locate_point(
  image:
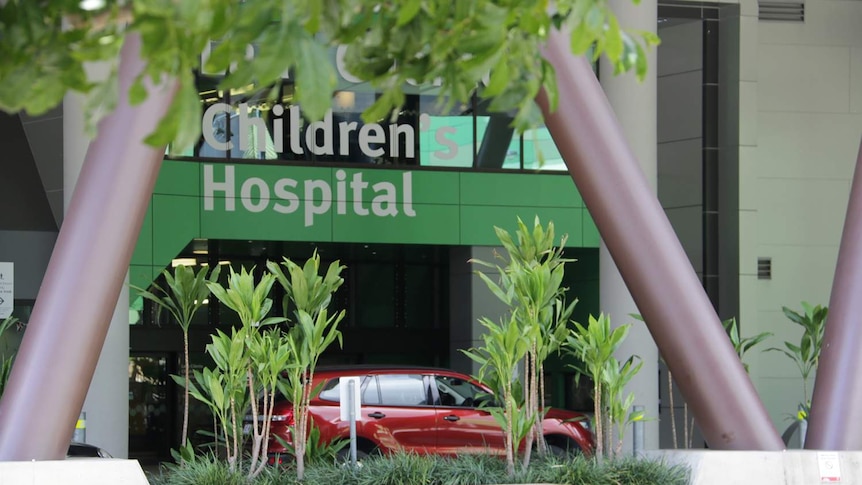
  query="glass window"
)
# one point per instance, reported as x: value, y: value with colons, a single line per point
x: 446, y: 136
x: 371, y: 393
x: 403, y: 390
x: 540, y: 151
x: 331, y: 391
x: 458, y: 392
x: 420, y: 296
x: 375, y: 283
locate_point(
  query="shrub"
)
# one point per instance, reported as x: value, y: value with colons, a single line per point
x: 412, y: 469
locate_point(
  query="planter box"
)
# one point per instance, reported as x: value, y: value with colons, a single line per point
x: 90, y: 471
x: 791, y: 467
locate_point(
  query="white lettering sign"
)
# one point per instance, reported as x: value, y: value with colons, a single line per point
x: 829, y: 465
x: 315, y: 198
x: 319, y: 136
x: 7, y: 289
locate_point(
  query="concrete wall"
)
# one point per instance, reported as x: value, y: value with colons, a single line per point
x: 800, y: 125
x: 30, y: 251
x: 470, y: 299
x: 772, y: 467
x: 90, y: 471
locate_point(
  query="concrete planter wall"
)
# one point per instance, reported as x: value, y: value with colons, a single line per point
x: 89, y: 471
x: 790, y: 467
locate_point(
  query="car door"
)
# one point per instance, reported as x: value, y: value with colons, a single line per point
x: 462, y: 427
x: 398, y: 412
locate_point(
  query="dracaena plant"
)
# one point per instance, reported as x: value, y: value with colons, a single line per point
x: 594, y: 346
x: 805, y: 354
x: 505, y: 345
x: 308, y: 294
x: 250, y: 360
x: 530, y: 284
x: 183, y: 295
x: 742, y: 344
x: 8, y: 356
x: 619, y: 405
x: 271, y: 354
x: 223, y: 389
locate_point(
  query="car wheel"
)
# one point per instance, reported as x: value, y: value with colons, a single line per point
x: 344, y: 454
x: 557, y: 451
x: 563, y: 450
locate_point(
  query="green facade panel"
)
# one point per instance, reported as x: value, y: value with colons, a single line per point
x: 141, y: 276
x: 591, y: 238
x: 519, y: 190
x: 438, y: 224
x: 478, y: 222
x: 268, y: 226
x: 178, y: 178
x: 244, y: 201
x: 175, y: 223
x: 143, y: 253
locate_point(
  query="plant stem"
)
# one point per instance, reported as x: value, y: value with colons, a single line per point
x: 186, y: 390
x: 597, y: 409
x: 672, y: 409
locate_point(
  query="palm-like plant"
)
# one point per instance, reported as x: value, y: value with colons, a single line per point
x: 6, y: 360
x: 594, y: 346
x: 531, y: 285
x: 505, y: 345
x: 314, y: 330
x: 742, y: 344
x: 806, y: 355
x: 185, y: 294
x: 249, y: 354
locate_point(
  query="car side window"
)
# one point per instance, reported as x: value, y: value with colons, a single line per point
x: 371, y: 393
x: 402, y: 390
x: 458, y: 392
x: 331, y: 390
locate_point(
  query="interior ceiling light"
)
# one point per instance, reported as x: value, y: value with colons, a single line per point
x: 184, y: 262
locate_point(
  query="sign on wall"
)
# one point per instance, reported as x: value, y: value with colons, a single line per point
x: 348, y: 204
x: 7, y: 289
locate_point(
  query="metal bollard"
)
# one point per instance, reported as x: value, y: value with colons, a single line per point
x: 80, y: 434
x: 803, y: 430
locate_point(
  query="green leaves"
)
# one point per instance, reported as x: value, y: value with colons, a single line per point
x: 303, y: 286
x: 248, y: 300
x: 595, y: 343
x: 45, y: 45
x: 807, y: 354
x: 184, y: 294
x: 742, y: 345
x: 595, y: 346
x: 314, y: 330
x: 530, y: 285
x: 7, y: 358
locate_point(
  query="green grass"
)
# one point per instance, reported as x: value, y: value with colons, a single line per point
x: 410, y: 469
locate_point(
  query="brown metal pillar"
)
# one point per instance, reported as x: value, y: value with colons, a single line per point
x: 64, y: 338
x: 836, y: 406
x: 651, y: 260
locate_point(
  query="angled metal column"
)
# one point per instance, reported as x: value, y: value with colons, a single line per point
x: 651, y: 260
x: 836, y: 406
x: 73, y: 310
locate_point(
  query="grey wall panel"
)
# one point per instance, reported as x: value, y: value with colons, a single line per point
x: 30, y: 251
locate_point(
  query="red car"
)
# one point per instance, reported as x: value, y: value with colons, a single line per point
x: 421, y: 410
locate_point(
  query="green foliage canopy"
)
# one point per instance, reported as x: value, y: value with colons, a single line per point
x: 46, y: 46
